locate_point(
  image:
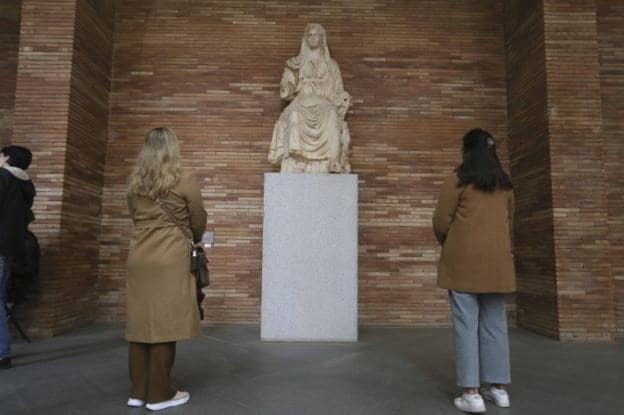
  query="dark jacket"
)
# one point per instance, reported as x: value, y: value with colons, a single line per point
x: 16, y: 198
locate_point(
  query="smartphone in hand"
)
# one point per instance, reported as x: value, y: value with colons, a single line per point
x: 208, y: 239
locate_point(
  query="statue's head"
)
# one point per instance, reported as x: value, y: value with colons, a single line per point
x: 314, y: 36
x: 313, y: 39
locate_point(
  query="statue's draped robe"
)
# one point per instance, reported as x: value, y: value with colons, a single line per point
x: 308, y: 137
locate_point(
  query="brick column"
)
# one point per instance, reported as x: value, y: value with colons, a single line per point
x: 61, y: 113
x: 557, y: 159
x: 530, y: 166
x: 9, y: 42
x: 611, y: 36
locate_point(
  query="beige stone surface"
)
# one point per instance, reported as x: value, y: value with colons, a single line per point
x: 311, y: 134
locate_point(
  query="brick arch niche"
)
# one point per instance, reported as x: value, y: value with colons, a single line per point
x: 91, y: 77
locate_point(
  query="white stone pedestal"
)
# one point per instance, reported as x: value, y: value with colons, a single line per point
x: 309, y: 257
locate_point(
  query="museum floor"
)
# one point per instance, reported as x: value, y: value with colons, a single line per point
x: 228, y: 370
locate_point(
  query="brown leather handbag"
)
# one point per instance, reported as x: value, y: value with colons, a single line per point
x: 199, y: 266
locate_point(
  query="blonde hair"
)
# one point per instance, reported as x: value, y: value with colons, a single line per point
x: 157, y: 168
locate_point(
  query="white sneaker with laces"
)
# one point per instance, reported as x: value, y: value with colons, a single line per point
x: 180, y: 398
x: 500, y: 397
x: 135, y: 403
x: 471, y: 403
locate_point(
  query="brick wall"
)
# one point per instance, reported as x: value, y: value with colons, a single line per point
x: 558, y: 161
x: 43, y: 81
x: 530, y: 166
x: 9, y: 43
x: 84, y: 159
x: 61, y: 108
x: 547, y: 74
x: 577, y: 169
x: 421, y: 74
x: 611, y: 38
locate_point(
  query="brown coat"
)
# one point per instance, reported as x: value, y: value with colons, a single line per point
x: 474, y: 229
x: 161, y: 296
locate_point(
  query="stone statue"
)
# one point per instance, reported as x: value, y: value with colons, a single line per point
x: 311, y: 135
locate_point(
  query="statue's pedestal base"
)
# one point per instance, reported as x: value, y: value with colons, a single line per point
x: 309, y: 257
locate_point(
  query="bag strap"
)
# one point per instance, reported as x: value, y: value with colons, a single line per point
x: 167, y: 211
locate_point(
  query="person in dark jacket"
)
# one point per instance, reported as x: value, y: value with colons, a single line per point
x: 16, y: 198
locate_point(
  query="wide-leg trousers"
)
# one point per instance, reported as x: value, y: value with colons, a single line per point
x: 481, y: 339
x: 150, y: 367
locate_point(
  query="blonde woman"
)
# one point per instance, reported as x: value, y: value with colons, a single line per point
x: 161, y: 293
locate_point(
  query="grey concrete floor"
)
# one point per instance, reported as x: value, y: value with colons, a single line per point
x: 229, y: 371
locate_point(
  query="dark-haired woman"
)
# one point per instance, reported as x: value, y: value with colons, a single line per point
x: 472, y: 222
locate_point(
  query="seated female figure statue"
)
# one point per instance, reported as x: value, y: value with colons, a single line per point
x: 311, y: 135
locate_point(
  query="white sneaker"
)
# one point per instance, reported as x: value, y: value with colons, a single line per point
x: 500, y: 397
x: 136, y: 403
x: 180, y: 398
x: 471, y: 403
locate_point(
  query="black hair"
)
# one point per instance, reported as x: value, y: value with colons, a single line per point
x: 18, y: 156
x: 480, y: 165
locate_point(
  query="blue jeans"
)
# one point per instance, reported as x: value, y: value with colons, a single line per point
x: 5, y: 337
x: 481, y: 343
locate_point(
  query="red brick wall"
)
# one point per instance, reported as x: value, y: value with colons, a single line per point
x: 577, y: 169
x: 61, y: 108
x: 421, y: 74
x: 9, y: 43
x: 43, y: 81
x: 530, y: 166
x: 84, y: 159
x: 558, y: 160
x: 611, y: 37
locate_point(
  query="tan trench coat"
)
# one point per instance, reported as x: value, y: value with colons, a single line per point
x: 161, y: 302
x: 474, y: 229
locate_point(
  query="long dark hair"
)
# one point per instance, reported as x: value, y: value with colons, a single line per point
x: 480, y: 165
